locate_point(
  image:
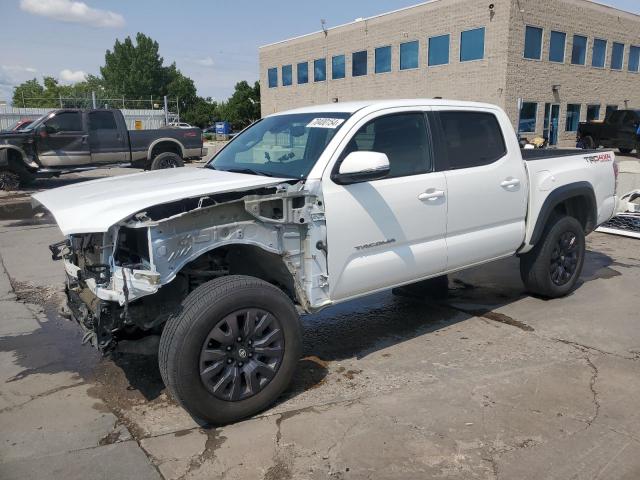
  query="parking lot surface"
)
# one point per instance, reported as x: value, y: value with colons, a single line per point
x: 485, y: 383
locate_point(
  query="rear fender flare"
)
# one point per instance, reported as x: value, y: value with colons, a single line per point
x: 559, y: 195
x: 162, y: 140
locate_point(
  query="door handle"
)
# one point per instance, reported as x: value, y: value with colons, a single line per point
x: 510, y: 183
x: 431, y: 195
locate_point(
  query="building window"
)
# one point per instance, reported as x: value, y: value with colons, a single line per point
x: 303, y: 72
x: 320, y: 70
x: 593, y: 113
x: 337, y: 67
x: 533, y: 43
x: 287, y: 75
x: 579, y: 51
x: 472, y: 45
x: 573, y: 117
x: 557, y: 44
x: 359, y: 63
x: 409, y: 55
x: 599, y: 53
x: 617, y: 56
x: 439, y: 50
x: 273, y: 77
x: 528, y: 114
x: 610, y: 110
x: 383, y: 59
x: 634, y: 58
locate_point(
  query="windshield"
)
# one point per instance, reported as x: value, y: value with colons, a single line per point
x: 36, y: 122
x: 280, y: 146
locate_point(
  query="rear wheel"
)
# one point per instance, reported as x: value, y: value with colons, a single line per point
x: 588, y: 143
x: 625, y: 151
x: 231, y: 350
x: 553, y: 267
x: 167, y: 160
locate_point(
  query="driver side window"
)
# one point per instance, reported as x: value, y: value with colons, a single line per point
x: 64, y: 122
x: 402, y: 137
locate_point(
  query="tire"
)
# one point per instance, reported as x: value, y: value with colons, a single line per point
x: 9, y: 180
x: 550, y: 271
x: 189, y: 350
x: 167, y: 160
x: 588, y: 143
x: 625, y: 151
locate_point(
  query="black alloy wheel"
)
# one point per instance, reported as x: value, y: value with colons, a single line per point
x: 9, y: 181
x: 242, y: 354
x: 168, y: 162
x: 564, y: 259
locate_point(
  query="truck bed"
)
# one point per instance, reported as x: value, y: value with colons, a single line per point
x: 530, y: 155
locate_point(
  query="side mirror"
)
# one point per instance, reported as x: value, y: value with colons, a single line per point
x: 362, y: 167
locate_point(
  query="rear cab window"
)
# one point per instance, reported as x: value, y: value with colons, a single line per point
x: 470, y: 139
x: 102, y: 121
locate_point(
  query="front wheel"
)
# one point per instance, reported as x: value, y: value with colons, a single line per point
x: 231, y: 350
x: 625, y: 151
x: 553, y: 267
x: 9, y: 180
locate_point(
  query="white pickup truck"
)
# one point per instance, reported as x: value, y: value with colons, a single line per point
x: 306, y: 209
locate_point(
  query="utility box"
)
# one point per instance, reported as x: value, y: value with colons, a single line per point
x: 223, y: 130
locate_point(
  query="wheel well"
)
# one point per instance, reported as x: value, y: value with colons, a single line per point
x: 241, y: 260
x: 579, y: 207
x: 14, y: 160
x: 166, y: 146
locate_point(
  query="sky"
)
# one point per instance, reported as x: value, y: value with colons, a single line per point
x: 214, y: 42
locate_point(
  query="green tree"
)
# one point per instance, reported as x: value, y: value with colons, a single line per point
x: 243, y: 107
x: 25, y: 94
x: 134, y: 70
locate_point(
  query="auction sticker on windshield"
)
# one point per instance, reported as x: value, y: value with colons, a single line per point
x: 325, y: 123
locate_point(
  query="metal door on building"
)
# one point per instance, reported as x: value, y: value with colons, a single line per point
x: 551, y: 122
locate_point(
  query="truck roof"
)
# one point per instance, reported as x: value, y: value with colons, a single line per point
x: 352, y: 107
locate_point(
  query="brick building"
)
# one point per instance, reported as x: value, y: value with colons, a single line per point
x: 548, y: 63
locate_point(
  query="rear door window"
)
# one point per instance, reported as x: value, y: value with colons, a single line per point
x: 616, y: 117
x: 102, y: 121
x: 402, y: 137
x: 471, y: 139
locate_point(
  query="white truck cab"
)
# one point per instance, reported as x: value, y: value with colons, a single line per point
x: 308, y: 208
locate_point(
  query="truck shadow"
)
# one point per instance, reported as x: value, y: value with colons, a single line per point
x: 361, y: 327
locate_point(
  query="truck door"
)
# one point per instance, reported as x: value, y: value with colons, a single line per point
x: 609, y: 131
x: 62, y: 141
x: 108, y: 143
x: 626, y: 131
x: 486, y: 183
x: 391, y: 231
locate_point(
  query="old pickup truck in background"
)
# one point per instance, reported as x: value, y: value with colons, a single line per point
x: 68, y: 140
x: 619, y: 130
x: 310, y: 208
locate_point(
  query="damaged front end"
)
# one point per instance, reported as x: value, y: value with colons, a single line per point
x: 132, y: 277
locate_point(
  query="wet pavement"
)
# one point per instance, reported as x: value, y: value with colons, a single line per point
x: 485, y: 382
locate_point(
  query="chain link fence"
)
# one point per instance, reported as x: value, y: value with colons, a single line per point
x: 138, y: 113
